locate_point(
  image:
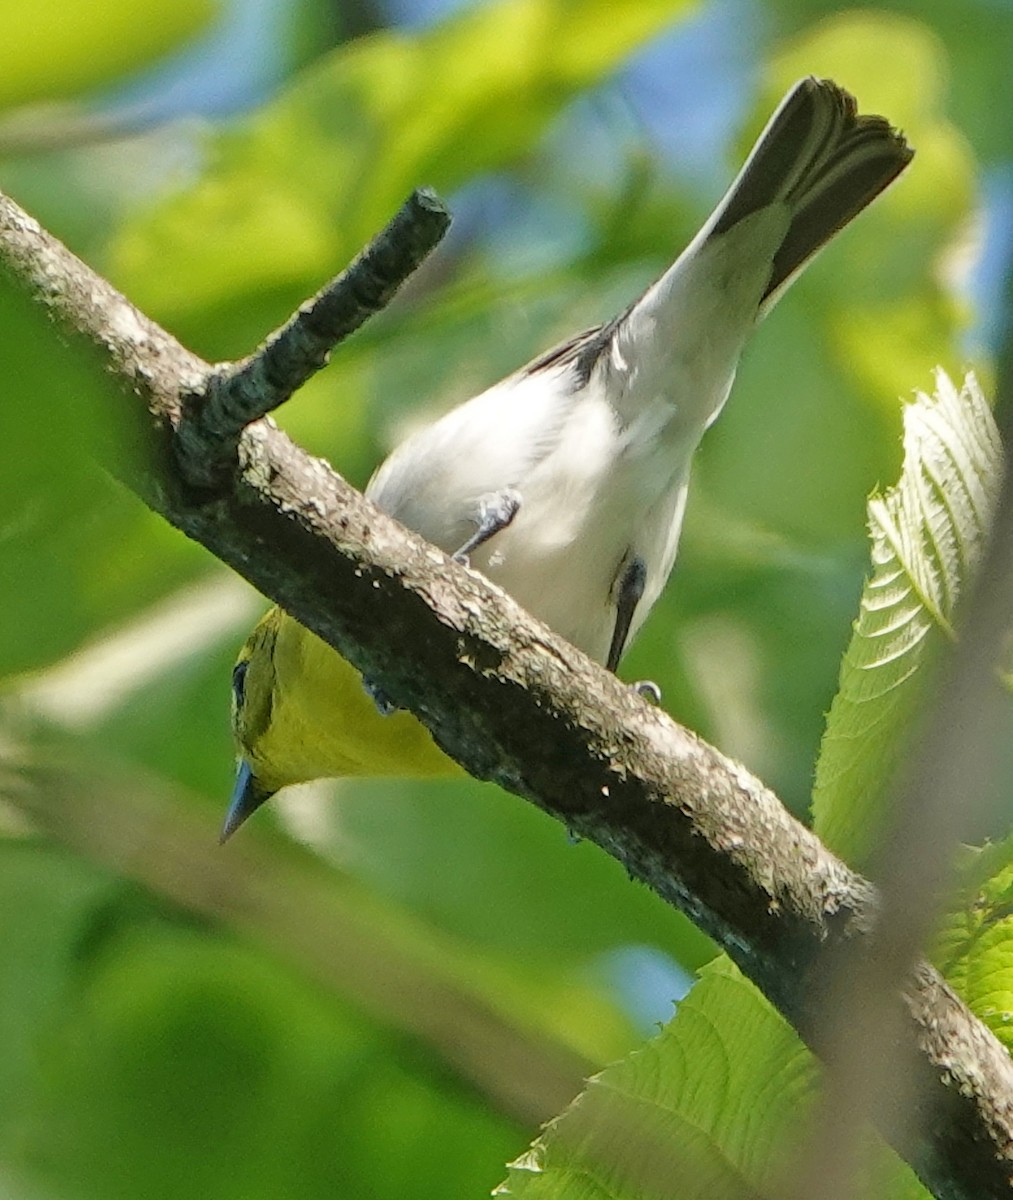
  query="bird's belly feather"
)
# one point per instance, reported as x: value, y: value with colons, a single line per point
x: 585, y: 510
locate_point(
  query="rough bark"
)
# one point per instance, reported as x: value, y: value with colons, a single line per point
x: 514, y: 703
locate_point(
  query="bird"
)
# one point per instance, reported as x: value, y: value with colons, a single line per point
x: 566, y: 482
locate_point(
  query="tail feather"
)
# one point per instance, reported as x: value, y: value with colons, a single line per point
x: 825, y: 161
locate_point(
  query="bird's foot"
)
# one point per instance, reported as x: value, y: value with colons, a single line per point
x: 384, y: 706
x: 495, y: 512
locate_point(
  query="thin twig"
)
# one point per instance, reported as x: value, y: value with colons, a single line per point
x: 45, y: 128
x: 243, y: 392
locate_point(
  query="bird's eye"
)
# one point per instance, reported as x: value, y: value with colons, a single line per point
x: 239, y: 683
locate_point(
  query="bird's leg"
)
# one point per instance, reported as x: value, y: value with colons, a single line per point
x: 495, y: 512
x: 628, y: 595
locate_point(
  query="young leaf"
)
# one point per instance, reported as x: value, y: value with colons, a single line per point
x: 927, y: 536
x: 974, y: 949
x: 713, y: 1108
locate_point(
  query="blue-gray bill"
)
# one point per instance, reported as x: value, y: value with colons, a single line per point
x: 247, y: 797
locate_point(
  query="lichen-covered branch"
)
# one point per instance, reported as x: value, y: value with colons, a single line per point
x: 514, y: 703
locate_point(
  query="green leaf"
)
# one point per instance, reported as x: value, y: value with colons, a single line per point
x: 46, y: 902
x: 294, y: 195
x: 53, y: 49
x: 78, y: 552
x: 182, y: 1064
x: 974, y: 949
x: 927, y: 536
x: 716, y: 1102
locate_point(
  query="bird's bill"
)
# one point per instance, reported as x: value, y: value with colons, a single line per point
x: 247, y: 796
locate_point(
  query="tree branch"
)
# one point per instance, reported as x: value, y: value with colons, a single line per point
x: 944, y: 794
x: 514, y: 703
x: 208, y: 433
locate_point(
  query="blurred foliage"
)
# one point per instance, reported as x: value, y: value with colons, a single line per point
x: 161, y: 1038
x: 973, y: 67
x: 154, y: 1059
x: 64, y: 579
x: 52, y: 50
x: 297, y: 190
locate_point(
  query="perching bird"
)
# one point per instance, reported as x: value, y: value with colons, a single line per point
x: 566, y: 483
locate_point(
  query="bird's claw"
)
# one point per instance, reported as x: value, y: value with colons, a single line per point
x: 384, y: 706
x: 648, y: 690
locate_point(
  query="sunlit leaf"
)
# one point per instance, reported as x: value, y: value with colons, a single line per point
x: 713, y: 1108
x: 927, y: 537
x: 974, y: 949
x: 53, y: 49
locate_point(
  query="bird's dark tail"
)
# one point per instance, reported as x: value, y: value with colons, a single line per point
x: 822, y: 158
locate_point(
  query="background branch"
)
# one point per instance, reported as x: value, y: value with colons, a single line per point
x: 514, y: 703
x: 142, y: 830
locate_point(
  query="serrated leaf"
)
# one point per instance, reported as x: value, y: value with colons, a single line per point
x: 974, y: 948
x: 927, y: 537
x: 713, y: 1108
